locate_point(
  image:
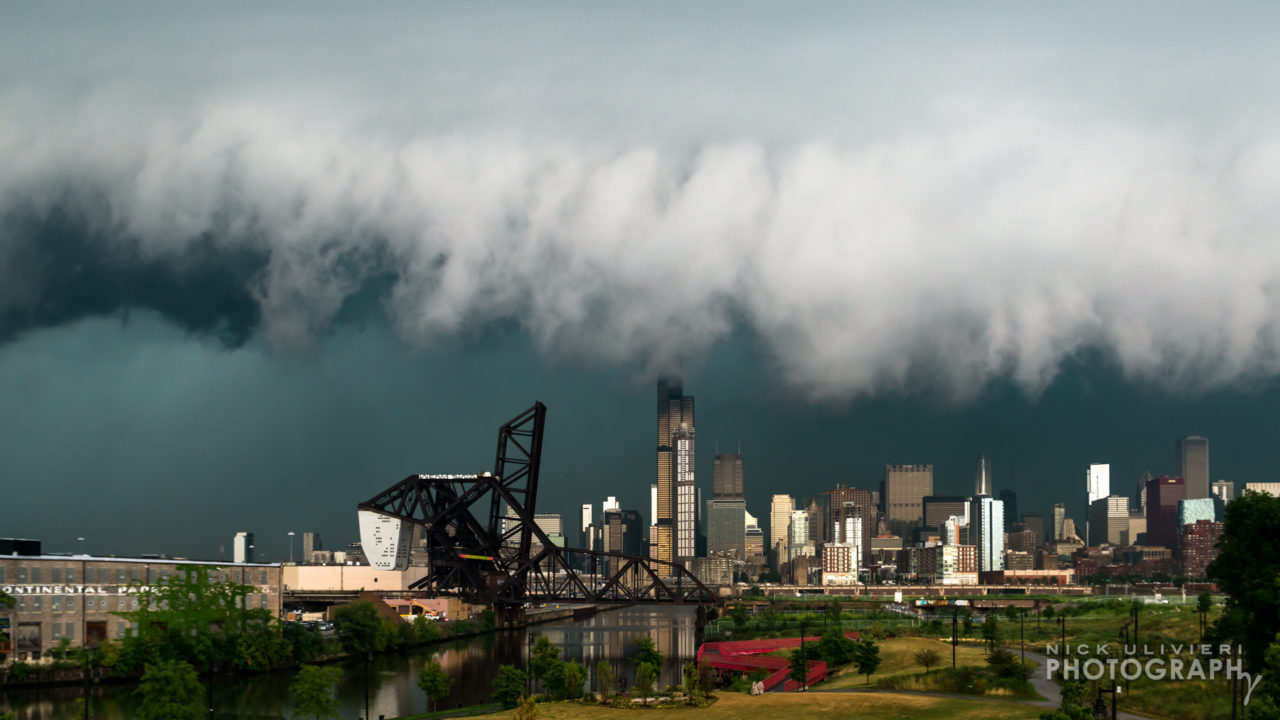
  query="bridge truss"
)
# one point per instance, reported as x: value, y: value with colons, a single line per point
x: 478, y: 552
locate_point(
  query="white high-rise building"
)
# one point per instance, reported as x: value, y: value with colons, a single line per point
x: 386, y: 540
x: 1098, y: 482
x: 986, y: 532
x: 779, y: 521
x: 242, y: 547
x: 610, y: 503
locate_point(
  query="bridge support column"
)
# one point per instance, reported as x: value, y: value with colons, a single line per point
x: 508, y: 616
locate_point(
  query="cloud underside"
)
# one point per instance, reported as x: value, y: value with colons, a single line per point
x: 944, y: 259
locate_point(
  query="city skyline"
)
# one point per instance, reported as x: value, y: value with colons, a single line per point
x: 266, y: 278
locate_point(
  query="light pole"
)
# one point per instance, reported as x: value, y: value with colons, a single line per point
x: 1022, y: 634
x: 290, y: 547
x: 84, y: 628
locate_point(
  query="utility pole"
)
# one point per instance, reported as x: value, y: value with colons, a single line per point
x: 954, y: 613
x: 1022, y: 634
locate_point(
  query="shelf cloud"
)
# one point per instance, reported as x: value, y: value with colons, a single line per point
x: 988, y: 237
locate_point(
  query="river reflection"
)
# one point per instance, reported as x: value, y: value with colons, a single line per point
x: 393, y: 679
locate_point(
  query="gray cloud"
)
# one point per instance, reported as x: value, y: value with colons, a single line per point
x: 953, y: 230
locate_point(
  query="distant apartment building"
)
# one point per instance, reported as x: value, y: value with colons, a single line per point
x: 840, y: 502
x: 1224, y: 490
x: 1199, y: 547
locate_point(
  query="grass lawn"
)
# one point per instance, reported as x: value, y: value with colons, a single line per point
x: 811, y: 706
x: 897, y: 657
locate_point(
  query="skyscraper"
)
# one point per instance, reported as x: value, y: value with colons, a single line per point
x: 584, y: 527
x: 817, y: 522
x: 727, y: 527
x: 1059, y: 517
x: 675, y: 411
x: 1224, y: 490
x: 1098, y: 481
x: 1163, y: 494
x: 905, y: 488
x: 726, y: 477
x: 986, y: 532
x: 982, y: 478
x: 243, y: 547
x: 842, y: 497
x: 310, y: 543
x: 1010, y: 500
x: 779, y: 523
x: 1193, y: 465
x: 1109, y: 521
x: 686, y: 494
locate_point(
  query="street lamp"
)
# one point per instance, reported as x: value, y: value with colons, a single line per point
x: 291, y: 547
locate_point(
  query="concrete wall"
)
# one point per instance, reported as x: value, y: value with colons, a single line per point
x: 349, y: 577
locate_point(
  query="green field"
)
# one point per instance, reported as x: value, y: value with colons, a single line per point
x: 811, y: 706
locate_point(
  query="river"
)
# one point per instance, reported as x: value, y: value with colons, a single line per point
x: 393, y: 685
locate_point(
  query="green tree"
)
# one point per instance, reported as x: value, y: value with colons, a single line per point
x: 798, y: 664
x: 508, y: 686
x: 991, y: 631
x: 1048, y: 612
x: 313, y: 692
x: 604, y: 679
x: 1010, y: 612
x: 740, y: 616
x: 770, y: 617
x: 646, y: 674
x: 434, y: 681
x: 554, y: 680
x: 867, y: 658
x: 1074, y: 705
x: 834, y: 647
x: 834, y: 612
x: 1246, y: 569
x: 575, y: 677
x: 1265, y: 701
x: 360, y: 628
x: 425, y: 630
x: 1204, y: 601
x: 927, y: 658
x: 543, y: 656
x: 170, y: 690
x: 690, y: 680
x: 876, y: 630
x: 647, y: 652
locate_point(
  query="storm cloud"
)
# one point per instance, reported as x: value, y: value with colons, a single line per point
x: 997, y: 230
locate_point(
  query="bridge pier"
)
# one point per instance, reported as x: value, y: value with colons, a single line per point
x: 508, y: 616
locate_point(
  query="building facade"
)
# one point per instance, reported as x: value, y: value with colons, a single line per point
x: 986, y: 523
x: 780, y: 509
x: 1109, y: 521
x: 726, y: 477
x: 1163, y: 495
x: 675, y: 412
x: 75, y: 597
x: 1192, y: 455
x: 905, y: 488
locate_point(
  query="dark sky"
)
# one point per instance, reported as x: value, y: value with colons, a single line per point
x: 257, y: 265
x: 144, y: 438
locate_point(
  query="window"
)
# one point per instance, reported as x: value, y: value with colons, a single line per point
x: 120, y: 629
x: 135, y: 574
x: 37, y: 603
x: 263, y: 600
x: 57, y: 574
x: 235, y: 575
x: 262, y: 578
x: 22, y: 604
x: 164, y: 576
x: 57, y: 603
x: 71, y: 631
x: 71, y: 575
x: 35, y: 574
x: 122, y: 602
x: 22, y: 574
x: 152, y: 575
x: 3, y: 576
x: 120, y: 577
x: 57, y: 631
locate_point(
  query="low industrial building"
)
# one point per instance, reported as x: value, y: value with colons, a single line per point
x: 76, y: 597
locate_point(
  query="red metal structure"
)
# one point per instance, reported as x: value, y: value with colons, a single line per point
x: 748, y: 655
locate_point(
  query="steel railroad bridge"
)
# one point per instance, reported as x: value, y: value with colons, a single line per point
x: 484, y: 555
